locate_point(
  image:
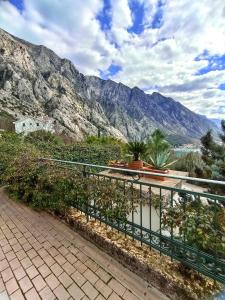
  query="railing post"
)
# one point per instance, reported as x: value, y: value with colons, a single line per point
x: 86, y: 200
x: 171, y: 228
x: 84, y: 171
x: 150, y: 215
x: 141, y: 213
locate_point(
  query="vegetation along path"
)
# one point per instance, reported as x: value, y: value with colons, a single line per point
x: 42, y: 258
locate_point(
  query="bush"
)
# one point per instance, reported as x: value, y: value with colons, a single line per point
x: 191, y: 163
x: 104, y: 140
x: 213, y: 155
x: 45, y: 185
x: 11, y: 145
x: 42, y: 136
x: 87, y: 153
x: 21, y: 173
x: 200, y: 225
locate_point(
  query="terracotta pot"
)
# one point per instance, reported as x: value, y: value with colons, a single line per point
x: 136, y: 165
x: 161, y: 178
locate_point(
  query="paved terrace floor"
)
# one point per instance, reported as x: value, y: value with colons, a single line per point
x: 42, y: 258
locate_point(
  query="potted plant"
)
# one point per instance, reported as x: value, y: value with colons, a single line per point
x: 159, y: 163
x: 158, y: 155
x: 137, y: 149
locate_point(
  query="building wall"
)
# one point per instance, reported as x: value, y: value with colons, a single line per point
x: 31, y: 125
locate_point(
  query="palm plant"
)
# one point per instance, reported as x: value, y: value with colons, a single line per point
x: 161, y: 160
x: 157, y: 142
x: 158, y: 151
x: 137, y: 149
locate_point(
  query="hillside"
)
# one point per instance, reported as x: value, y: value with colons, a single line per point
x: 35, y: 81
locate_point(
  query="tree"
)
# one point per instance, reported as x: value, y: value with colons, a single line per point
x: 213, y: 154
x: 222, y: 135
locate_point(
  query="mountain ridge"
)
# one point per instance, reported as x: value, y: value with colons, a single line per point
x: 36, y: 81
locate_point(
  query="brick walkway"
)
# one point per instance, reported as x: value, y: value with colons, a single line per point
x: 42, y: 258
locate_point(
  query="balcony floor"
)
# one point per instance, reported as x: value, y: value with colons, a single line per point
x: 42, y: 258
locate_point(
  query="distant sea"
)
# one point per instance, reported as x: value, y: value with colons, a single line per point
x: 179, y: 152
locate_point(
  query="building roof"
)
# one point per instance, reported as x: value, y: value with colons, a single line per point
x: 43, y: 119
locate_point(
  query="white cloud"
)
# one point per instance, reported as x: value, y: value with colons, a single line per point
x: 121, y: 21
x: 159, y: 59
x: 163, y: 59
x: 71, y: 30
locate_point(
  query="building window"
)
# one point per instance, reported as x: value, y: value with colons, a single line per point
x: 24, y: 124
x: 37, y: 124
x: 30, y: 124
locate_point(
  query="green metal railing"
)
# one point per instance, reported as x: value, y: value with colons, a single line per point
x: 187, y: 225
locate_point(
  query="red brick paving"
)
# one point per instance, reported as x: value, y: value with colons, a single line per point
x: 40, y: 258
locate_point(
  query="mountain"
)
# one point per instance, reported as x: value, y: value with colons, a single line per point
x: 34, y: 81
x: 217, y: 122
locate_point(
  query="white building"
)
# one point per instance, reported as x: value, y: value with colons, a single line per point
x: 30, y: 124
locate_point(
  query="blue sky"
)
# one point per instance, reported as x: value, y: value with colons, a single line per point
x: 175, y: 47
x: 18, y: 3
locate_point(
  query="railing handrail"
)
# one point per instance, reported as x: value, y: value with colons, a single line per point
x: 208, y: 181
x: 151, y: 220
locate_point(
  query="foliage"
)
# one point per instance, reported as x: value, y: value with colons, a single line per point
x: 137, y: 149
x: 213, y: 155
x: 211, y: 151
x: 22, y: 172
x: 191, y: 163
x: 88, y: 153
x: 11, y: 145
x: 12, y: 137
x: 222, y: 135
x: 107, y: 141
x: 42, y: 136
x: 6, y: 121
x: 45, y: 185
x: 103, y: 140
x: 157, y: 143
x: 158, y: 153
x: 178, y: 140
x: 200, y: 225
x: 94, y: 153
x: 34, y: 183
x: 160, y: 161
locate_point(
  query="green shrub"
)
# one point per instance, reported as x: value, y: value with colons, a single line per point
x: 103, y: 140
x: 87, y: 153
x: 213, y: 155
x: 11, y: 145
x: 41, y: 136
x: 45, y: 185
x: 21, y: 173
x: 191, y: 163
x: 201, y: 225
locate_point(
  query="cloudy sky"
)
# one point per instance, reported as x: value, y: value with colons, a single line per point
x: 175, y: 47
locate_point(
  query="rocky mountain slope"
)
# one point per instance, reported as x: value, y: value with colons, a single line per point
x: 217, y: 122
x: 35, y: 81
